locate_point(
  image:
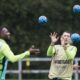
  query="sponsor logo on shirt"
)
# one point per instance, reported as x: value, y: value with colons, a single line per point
x: 62, y: 61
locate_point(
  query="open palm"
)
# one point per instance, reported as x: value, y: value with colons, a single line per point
x: 54, y: 37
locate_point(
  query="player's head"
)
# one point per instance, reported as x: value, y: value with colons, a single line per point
x: 4, y: 33
x: 66, y: 37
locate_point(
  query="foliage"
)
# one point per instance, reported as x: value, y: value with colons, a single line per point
x: 21, y: 17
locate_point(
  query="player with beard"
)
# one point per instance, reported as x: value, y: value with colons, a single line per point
x: 5, y: 50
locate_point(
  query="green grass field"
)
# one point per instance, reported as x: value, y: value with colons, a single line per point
x: 29, y: 79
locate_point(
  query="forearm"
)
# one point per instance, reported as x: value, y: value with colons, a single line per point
x: 14, y: 58
x: 50, y: 51
x: 71, y: 54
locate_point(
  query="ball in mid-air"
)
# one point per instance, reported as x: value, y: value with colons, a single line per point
x: 42, y: 20
x: 76, y: 8
x: 75, y: 37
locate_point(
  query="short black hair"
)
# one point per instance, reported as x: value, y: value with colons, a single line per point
x: 3, y: 26
x: 65, y: 31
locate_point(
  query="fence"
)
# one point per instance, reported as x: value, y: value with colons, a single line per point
x: 21, y: 71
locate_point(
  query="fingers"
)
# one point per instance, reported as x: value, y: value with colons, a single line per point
x: 37, y: 50
x: 53, y: 34
x: 34, y: 50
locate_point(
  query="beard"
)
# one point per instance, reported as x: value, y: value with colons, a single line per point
x: 8, y: 40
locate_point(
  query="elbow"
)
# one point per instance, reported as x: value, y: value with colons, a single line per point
x: 71, y: 58
x: 12, y: 61
x: 49, y: 55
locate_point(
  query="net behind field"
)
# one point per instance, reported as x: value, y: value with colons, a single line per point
x: 33, y: 72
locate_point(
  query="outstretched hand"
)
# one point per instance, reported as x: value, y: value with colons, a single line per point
x: 54, y: 37
x: 34, y: 50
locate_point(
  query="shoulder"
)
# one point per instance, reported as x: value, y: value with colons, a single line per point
x: 2, y: 43
x: 73, y: 47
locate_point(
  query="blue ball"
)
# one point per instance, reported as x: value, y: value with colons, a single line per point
x: 42, y: 20
x: 76, y: 8
x: 75, y: 37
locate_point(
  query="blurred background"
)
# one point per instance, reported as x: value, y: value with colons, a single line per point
x: 21, y: 18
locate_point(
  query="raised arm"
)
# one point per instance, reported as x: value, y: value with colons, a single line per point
x: 50, y: 51
x: 51, y: 48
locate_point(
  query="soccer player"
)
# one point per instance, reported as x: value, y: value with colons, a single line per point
x: 62, y: 57
x: 5, y: 50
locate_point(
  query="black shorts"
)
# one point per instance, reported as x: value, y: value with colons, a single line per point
x: 56, y: 79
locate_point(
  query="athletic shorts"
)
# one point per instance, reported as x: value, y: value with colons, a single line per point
x: 61, y: 79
